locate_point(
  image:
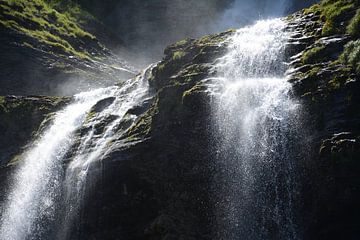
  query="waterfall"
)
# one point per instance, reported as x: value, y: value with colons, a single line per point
x: 95, y: 143
x: 257, y: 124
x: 34, y: 203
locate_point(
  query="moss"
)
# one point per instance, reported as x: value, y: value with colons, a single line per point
x: 15, y: 160
x: 194, y: 90
x: 72, y: 10
x: 161, y: 67
x: 143, y: 125
x: 339, y: 78
x: 313, y: 72
x: 178, y: 55
x: 181, y: 43
x: 25, y: 105
x: 354, y: 26
x: 351, y: 55
x: 2, y: 100
x: 39, y: 20
x: 334, y: 13
x: 90, y: 116
x: 313, y: 55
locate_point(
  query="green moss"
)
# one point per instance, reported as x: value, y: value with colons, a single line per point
x: 196, y: 89
x: 214, y: 39
x: 72, y: 10
x: 354, y: 26
x: 143, y: 126
x: 313, y: 55
x: 313, y: 72
x: 24, y: 105
x: 334, y: 13
x: 339, y: 78
x: 181, y: 43
x: 178, y: 55
x: 39, y: 19
x: 90, y: 116
x: 15, y: 160
x: 161, y: 67
x: 2, y: 100
x: 351, y: 55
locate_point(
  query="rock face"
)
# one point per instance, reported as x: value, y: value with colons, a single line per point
x: 20, y: 117
x: 329, y: 89
x: 63, y: 47
x: 47, y: 49
x: 159, y: 180
x: 157, y: 185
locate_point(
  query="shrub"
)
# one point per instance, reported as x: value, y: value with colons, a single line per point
x: 351, y: 55
x: 354, y: 26
x: 313, y: 55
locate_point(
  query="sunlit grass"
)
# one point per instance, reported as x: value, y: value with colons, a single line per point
x: 40, y: 20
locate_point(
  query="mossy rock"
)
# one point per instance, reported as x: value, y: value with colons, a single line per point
x: 336, y: 15
x: 21, y: 118
x: 39, y: 20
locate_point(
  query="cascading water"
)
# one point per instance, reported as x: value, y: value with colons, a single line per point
x: 103, y: 128
x: 33, y: 205
x: 256, y: 125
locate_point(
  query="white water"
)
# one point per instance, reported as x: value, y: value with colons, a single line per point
x: 94, y: 145
x: 255, y: 119
x: 36, y: 184
x: 33, y: 201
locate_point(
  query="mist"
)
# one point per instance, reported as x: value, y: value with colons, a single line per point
x: 147, y: 28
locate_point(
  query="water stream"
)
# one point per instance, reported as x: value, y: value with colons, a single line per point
x: 256, y: 123
x: 36, y: 198
x: 256, y: 127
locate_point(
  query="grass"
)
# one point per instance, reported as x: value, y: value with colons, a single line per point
x: 2, y: 102
x: 313, y: 72
x: 40, y: 20
x: 335, y: 14
x: 178, y: 55
x: 354, y: 26
x: 351, y: 55
x: 313, y: 55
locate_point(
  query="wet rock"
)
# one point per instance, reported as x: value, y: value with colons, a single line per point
x: 102, y: 104
x: 20, y: 117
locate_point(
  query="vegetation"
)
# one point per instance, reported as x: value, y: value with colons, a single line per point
x: 313, y: 72
x: 178, y: 55
x: 351, y: 55
x: 334, y: 13
x: 354, y: 26
x: 41, y: 20
x: 143, y: 126
x: 313, y: 55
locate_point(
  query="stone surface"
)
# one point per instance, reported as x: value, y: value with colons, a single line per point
x: 155, y: 182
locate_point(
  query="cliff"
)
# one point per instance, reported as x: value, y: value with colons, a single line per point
x: 159, y: 184
x: 53, y: 47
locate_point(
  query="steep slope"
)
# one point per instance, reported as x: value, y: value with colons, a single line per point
x: 172, y: 170
x: 326, y: 78
x: 159, y: 185
x: 47, y: 49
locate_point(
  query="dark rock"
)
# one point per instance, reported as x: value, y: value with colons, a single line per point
x: 102, y: 104
x: 20, y: 117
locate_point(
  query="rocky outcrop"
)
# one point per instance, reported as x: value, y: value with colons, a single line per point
x: 20, y: 119
x: 63, y: 47
x: 329, y: 88
x: 46, y: 49
x: 155, y: 181
x: 168, y: 169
